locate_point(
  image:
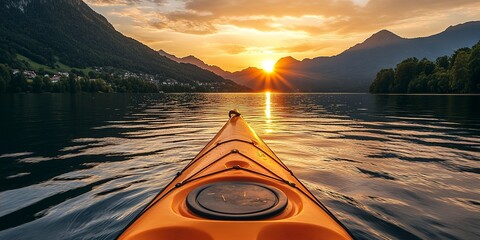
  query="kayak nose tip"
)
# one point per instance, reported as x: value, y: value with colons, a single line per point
x: 234, y: 113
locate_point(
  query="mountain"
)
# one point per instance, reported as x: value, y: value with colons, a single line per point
x: 379, y: 39
x: 354, y: 69
x: 197, y: 62
x: 55, y: 32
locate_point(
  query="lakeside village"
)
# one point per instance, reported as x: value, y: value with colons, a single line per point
x: 101, y: 79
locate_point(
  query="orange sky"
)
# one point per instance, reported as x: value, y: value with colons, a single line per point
x: 237, y: 34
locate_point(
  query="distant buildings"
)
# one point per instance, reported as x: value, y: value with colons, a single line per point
x: 29, y: 74
x: 159, y: 80
x: 170, y: 81
x: 55, y: 78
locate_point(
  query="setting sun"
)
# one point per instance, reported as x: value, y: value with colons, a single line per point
x: 268, y: 66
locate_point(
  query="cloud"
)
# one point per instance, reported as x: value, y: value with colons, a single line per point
x: 308, y: 16
x: 176, y: 22
x: 297, y: 48
x: 184, y: 26
x: 344, y: 15
x: 271, y: 8
x: 232, y: 48
x: 260, y: 24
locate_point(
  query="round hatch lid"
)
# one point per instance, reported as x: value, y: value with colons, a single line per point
x: 236, y: 201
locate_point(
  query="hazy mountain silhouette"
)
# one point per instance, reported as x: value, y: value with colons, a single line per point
x: 195, y: 61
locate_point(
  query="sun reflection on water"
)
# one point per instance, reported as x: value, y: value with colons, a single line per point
x: 268, y: 106
x: 268, y: 112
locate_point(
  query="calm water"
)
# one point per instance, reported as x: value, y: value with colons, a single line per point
x: 389, y: 167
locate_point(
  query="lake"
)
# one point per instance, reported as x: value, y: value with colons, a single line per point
x: 388, y: 166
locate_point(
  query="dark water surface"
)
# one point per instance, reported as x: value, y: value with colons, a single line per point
x: 389, y: 167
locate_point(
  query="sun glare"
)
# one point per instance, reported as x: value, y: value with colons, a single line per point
x: 268, y: 66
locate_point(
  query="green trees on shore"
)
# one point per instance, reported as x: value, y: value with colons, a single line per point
x: 4, y: 78
x: 92, y: 82
x: 459, y: 73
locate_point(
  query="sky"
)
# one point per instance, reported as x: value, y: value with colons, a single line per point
x: 235, y: 34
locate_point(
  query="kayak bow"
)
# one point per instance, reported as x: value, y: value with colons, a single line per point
x: 235, y: 188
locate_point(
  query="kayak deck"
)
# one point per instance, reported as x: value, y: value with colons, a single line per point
x: 235, y: 188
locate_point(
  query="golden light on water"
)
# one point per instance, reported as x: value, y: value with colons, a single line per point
x: 268, y: 113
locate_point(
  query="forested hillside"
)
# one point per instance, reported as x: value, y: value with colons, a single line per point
x: 55, y: 33
x: 458, y: 73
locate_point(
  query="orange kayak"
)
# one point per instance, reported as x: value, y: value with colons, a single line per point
x: 235, y: 188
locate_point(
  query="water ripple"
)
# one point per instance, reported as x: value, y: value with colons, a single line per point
x: 389, y: 167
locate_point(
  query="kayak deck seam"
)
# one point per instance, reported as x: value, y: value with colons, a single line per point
x: 234, y: 151
x: 275, y: 158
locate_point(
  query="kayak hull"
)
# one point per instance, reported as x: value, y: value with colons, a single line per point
x: 236, y: 159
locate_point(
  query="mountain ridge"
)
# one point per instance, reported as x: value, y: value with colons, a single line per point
x: 355, y: 68
x: 380, y: 38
